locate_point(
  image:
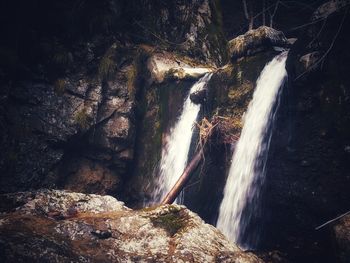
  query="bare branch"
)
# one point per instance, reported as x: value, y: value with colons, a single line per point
x: 245, y: 9
x: 332, y: 220
x: 321, y: 59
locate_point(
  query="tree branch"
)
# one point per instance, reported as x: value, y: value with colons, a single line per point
x: 332, y: 220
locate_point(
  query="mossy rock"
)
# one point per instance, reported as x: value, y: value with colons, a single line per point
x: 231, y: 87
x: 255, y: 41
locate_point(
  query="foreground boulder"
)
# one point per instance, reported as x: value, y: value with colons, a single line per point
x: 59, y: 226
x: 256, y: 40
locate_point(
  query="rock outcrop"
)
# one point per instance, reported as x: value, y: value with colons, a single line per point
x: 255, y: 41
x: 227, y: 97
x: 199, y: 97
x: 59, y: 226
x: 167, y: 66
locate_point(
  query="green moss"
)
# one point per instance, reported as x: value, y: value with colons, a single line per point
x: 232, y: 87
x: 82, y: 119
x: 107, y: 65
x: 60, y: 86
x: 106, y: 68
x: 172, y: 222
x: 153, y: 133
x: 131, y: 82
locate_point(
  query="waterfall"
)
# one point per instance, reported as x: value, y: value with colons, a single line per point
x: 247, y: 172
x: 175, y: 152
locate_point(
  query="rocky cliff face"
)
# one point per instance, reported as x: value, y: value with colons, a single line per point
x: 308, y: 170
x: 192, y: 27
x: 75, y: 130
x: 59, y: 226
x: 70, y: 111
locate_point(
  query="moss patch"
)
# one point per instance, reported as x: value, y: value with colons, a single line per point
x: 107, y: 65
x: 131, y: 76
x: 82, y: 119
x: 60, y: 86
x: 172, y: 222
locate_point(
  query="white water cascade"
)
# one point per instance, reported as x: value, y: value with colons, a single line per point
x: 247, y: 172
x: 175, y: 152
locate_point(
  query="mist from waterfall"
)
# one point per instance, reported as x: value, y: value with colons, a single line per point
x: 241, y: 201
x: 175, y: 152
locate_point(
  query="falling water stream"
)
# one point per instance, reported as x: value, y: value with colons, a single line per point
x: 247, y: 171
x: 175, y: 152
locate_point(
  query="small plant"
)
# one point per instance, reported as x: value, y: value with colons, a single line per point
x: 106, y: 68
x: 60, y: 86
x: 82, y: 119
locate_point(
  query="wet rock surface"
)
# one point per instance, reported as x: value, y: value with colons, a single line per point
x: 59, y: 226
x: 199, y: 97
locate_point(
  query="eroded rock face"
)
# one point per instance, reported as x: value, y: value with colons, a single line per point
x: 255, y: 41
x: 85, y: 117
x: 75, y: 100
x: 59, y: 226
x: 87, y: 176
x: 192, y: 27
